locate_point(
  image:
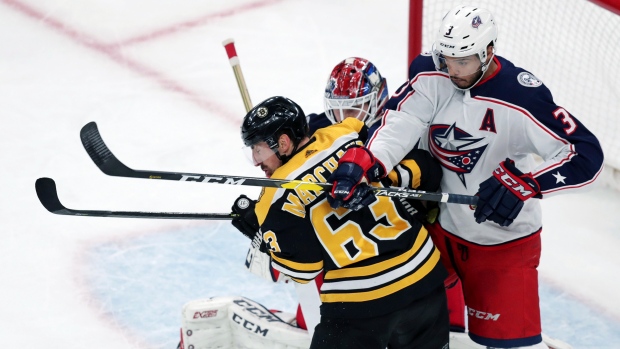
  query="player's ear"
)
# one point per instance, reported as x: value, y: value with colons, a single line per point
x: 285, y: 144
x: 489, y: 51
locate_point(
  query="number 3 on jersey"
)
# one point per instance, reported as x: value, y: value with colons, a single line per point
x: 562, y: 115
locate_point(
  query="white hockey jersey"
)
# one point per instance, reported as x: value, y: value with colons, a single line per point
x: 510, y: 114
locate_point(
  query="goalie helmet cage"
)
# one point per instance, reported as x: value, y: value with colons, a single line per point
x: 571, y: 45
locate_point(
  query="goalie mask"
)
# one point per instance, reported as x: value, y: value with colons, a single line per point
x: 460, y: 48
x: 267, y: 121
x: 355, y: 88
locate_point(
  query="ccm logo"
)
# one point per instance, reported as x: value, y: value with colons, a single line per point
x: 482, y: 315
x: 250, y: 326
x: 512, y: 184
x: 205, y: 314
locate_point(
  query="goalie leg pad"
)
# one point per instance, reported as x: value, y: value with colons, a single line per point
x: 237, y: 322
x: 205, y: 324
x: 254, y: 326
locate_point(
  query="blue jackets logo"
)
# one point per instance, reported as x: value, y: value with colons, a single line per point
x: 453, y: 148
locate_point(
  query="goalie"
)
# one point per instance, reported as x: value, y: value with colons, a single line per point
x: 238, y: 322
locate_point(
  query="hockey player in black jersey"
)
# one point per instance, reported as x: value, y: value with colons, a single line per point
x: 354, y: 89
x: 383, y: 280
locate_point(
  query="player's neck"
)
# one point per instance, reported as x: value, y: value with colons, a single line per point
x: 292, y: 149
x: 491, y: 70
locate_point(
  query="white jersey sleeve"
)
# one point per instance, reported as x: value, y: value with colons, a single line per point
x: 402, y: 127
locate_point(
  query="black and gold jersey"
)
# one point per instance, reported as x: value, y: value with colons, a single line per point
x: 374, y: 260
x: 418, y: 170
x: 408, y: 173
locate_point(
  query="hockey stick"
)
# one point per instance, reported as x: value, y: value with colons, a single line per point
x: 110, y: 165
x: 46, y: 191
x: 229, y: 45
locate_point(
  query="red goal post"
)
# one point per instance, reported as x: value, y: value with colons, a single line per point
x: 573, y: 46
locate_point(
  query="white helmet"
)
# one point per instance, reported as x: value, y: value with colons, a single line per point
x: 465, y: 31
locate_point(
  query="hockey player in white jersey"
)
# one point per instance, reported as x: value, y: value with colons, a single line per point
x: 489, y: 123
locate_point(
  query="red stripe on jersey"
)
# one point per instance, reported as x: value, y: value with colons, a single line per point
x: 383, y: 118
x: 544, y: 128
x: 524, y: 112
x: 499, y: 67
x: 409, y: 94
x: 573, y: 186
x: 415, y: 78
x: 551, y: 167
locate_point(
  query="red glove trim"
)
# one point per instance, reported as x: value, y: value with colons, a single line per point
x: 516, y: 183
x: 372, y: 168
x: 359, y: 156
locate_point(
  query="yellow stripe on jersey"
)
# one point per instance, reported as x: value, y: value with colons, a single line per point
x: 414, y: 170
x: 304, y: 267
x: 413, y: 166
x: 373, y: 269
x: 394, y: 178
x: 387, y: 290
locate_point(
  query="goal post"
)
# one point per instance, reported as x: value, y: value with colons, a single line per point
x: 571, y: 45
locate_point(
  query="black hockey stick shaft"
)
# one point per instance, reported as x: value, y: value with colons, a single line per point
x: 46, y: 191
x: 110, y: 165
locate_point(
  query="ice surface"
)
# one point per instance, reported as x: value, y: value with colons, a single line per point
x: 154, y: 76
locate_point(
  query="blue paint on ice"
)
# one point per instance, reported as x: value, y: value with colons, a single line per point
x: 144, y: 282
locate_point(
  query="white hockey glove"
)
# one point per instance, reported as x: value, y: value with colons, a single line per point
x: 259, y: 263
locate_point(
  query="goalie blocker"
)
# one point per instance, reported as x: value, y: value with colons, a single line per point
x: 238, y: 322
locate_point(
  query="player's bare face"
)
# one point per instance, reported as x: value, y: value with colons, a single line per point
x: 464, y: 71
x: 265, y: 157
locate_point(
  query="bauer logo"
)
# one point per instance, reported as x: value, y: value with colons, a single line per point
x: 528, y: 80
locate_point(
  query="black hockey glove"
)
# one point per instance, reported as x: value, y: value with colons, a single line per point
x: 356, y: 168
x: 501, y: 197
x: 246, y: 221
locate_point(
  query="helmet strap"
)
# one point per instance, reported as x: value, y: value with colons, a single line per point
x: 274, y: 145
x: 283, y: 157
x: 296, y: 149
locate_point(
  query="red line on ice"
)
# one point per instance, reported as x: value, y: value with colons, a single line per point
x: 206, y: 19
x: 114, y: 51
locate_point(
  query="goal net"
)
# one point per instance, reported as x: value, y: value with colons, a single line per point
x: 573, y: 46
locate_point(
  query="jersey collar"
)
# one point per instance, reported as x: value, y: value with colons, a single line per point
x: 499, y: 67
